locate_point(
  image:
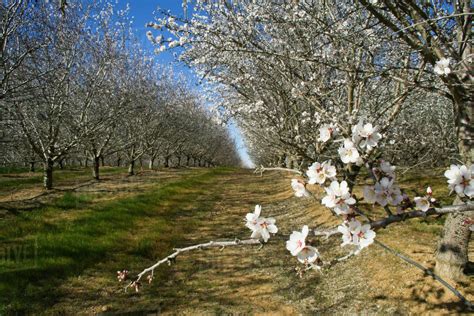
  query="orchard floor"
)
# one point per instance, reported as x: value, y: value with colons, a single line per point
x: 59, y: 252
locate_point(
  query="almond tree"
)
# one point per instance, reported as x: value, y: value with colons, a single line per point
x: 324, y: 83
x: 440, y: 34
x: 52, y: 113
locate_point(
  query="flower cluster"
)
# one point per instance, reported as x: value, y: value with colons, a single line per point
x: 349, y: 153
x: 298, y: 248
x: 320, y: 172
x: 385, y: 191
x: 461, y: 180
x: 424, y: 203
x: 354, y: 233
x: 260, y: 227
x: 122, y: 275
x: 366, y: 135
x: 338, y: 198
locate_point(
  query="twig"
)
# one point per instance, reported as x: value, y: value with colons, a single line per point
x: 405, y: 258
x: 262, y: 169
x: 340, y: 259
x: 211, y: 244
x: 326, y: 233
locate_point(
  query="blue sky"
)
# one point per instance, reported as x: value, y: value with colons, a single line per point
x: 142, y: 13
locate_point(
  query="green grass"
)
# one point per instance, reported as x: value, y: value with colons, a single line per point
x: 72, y: 234
x: 11, y: 178
x: 5, y: 170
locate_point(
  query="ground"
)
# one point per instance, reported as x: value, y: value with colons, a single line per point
x: 60, y: 250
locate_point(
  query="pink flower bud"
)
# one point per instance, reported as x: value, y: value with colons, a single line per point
x: 429, y: 191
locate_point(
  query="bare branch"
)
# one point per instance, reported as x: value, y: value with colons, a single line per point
x: 178, y: 251
x: 262, y: 169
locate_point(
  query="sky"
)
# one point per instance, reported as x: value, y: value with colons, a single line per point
x: 142, y: 13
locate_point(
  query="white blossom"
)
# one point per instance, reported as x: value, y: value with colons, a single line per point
x: 326, y: 132
x: 386, y: 192
x: 297, y: 241
x: 366, y: 136
x: 369, y: 194
x: 348, y: 152
x: 299, y: 187
x: 442, y: 67
x: 261, y: 227
x: 460, y: 180
x: 264, y: 227
x: 354, y: 233
x: 308, y: 255
x: 252, y: 218
x: 319, y: 173
x: 422, y: 203
x: 387, y: 168
x: 338, y: 197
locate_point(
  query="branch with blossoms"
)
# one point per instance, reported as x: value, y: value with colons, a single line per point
x: 340, y: 199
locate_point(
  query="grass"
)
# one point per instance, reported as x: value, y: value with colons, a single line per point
x: 56, y: 247
x: 61, y: 258
x: 16, y: 178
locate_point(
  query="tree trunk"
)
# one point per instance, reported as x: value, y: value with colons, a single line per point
x: 102, y: 160
x: 187, y: 161
x: 95, y: 168
x: 131, y: 168
x: 179, y: 161
x: 452, y: 252
x: 48, y: 174
x: 61, y: 164
x: 32, y: 166
x: 167, y: 162
x: 453, y: 247
x: 151, y: 163
x: 119, y: 160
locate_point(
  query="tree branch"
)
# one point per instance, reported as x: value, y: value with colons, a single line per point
x: 178, y: 251
x: 262, y: 169
x: 395, y: 218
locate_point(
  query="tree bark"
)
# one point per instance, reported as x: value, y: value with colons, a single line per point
x: 151, y: 163
x: 95, y: 168
x: 167, y: 162
x: 453, y: 247
x: 452, y: 252
x: 32, y: 166
x: 131, y: 168
x: 48, y: 174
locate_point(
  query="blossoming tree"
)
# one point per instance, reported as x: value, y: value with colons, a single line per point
x: 320, y: 84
